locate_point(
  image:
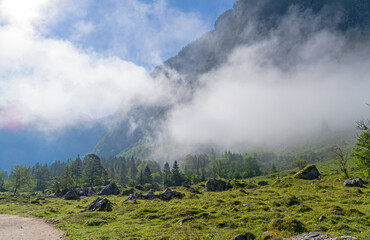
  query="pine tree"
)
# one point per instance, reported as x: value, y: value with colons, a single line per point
x: 94, y: 173
x: 66, y: 179
x: 176, y: 175
x: 166, y: 174
x: 147, y: 175
x: 76, y: 168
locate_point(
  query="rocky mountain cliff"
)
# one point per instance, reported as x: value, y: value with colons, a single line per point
x: 249, y: 22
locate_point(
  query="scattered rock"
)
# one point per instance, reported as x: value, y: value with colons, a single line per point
x: 356, y: 182
x: 246, y: 205
x: 263, y: 183
x: 166, y: 195
x: 71, y: 195
x: 309, y: 236
x: 347, y: 237
x: 217, y: 185
x: 309, y: 172
x: 150, y: 195
x: 269, y: 235
x: 195, y: 191
x: 110, y: 189
x: 100, y: 204
x: 128, y: 192
x: 250, y: 186
x: 37, y: 200
x: 247, y: 236
x: 322, y: 218
x: 169, y: 194
x: 134, y: 196
x: 86, y: 192
x: 61, y: 193
x: 338, y: 210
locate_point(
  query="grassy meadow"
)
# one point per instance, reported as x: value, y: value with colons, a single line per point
x: 216, y: 215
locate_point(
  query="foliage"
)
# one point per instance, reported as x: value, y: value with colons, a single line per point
x: 342, y: 160
x: 41, y: 174
x: 300, y: 163
x: 20, y: 176
x: 362, y: 149
x: 94, y: 173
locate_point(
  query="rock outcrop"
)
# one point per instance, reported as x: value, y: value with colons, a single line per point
x: 71, y: 195
x: 356, y: 182
x: 217, y: 185
x: 310, y: 236
x: 128, y: 192
x: 166, y: 195
x: 100, y: 204
x: 309, y: 173
x: 110, y: 189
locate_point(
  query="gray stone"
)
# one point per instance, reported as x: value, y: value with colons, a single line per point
x: 71, y: 195
x: 263, y: 183
x: 348, y: 237
x: 128, y: 192
x: 100, y: 204
x: 169, y: 194
x: 110, y: 189
x: 322, y: 218
x: 309, y: 236
x: 356, y: 182
x: 217, y: 185
x: 309, y: 172
x: 242, y: 237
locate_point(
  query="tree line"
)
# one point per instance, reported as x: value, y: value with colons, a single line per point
x: 95, y: 171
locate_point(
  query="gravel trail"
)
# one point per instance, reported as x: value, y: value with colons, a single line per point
x: 20, y: 228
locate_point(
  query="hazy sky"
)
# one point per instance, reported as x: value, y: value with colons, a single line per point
x: 63, y: 60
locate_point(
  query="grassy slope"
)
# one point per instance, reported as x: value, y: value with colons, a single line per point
x: 213, y: 215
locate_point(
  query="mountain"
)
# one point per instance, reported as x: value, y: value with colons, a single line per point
x: 249, y: 22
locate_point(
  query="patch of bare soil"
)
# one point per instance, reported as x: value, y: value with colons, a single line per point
x: 20, y: 228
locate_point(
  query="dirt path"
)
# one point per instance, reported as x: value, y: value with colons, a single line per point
x: 20, y: 228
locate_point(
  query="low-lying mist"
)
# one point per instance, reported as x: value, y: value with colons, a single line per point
x: 286, y: 89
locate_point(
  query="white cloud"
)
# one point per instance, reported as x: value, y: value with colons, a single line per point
x: 50, y: 83
x: 251, y: 102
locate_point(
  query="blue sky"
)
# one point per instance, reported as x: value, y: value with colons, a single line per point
x: 145, y: 32
x: 57, y: 56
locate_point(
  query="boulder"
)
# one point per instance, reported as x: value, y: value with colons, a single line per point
x: 150, y: 195
x: 169, y: 194
x: 348, y: 237
x: 166, y: 195
x: 110, y: 189
x: 128, y: 192
x: 217, y: 185
x: 133, y: 197
x: 309, y: 172
x: 195, y: 191
x: 356, y: 182
x: 61, y: 193
x: 71, y: 195
x: 86, y: 192
x: 100, y: 204
x: 263, y: 183
x: 248, y: 236
x: 309, y: 236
